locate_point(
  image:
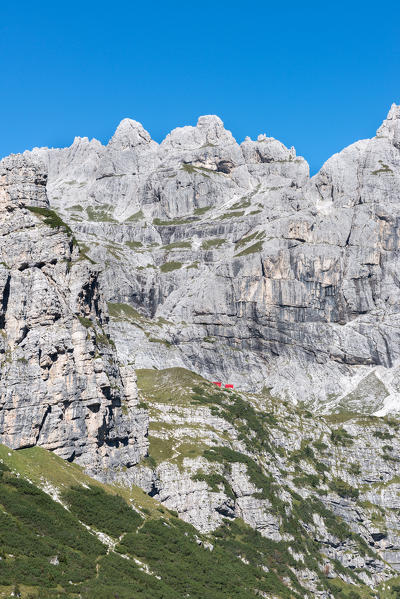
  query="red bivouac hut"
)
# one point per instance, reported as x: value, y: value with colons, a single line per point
x: 217, y: 383
x: 228, y: 386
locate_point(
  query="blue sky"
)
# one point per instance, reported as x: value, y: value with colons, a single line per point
x: 315, y: 75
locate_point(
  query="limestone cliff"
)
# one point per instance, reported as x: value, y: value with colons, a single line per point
x: 60, y: 387
x: 228, y: 260
x: 201, y: 257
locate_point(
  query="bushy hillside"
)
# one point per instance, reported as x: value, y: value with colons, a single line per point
x: 64, y: 534
x: 85, y: 539
x: 98, y: 541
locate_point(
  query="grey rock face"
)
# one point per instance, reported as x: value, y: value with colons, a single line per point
x: 60, y: 384
x: 227, y: 260
x: 243, y: 268
x: 286, y: 472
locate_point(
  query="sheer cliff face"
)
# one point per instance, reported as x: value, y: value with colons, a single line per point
x: 60, y: 384
x: 240, y: 266
x: 226, y: 260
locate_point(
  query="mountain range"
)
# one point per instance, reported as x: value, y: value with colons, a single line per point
x: 136, y: 275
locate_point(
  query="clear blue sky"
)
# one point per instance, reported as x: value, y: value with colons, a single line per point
x: 316, y: 75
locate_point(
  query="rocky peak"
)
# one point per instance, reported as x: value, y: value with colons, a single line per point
x: 129, y: 135
x: 390, y: 127
x: 21, y: 182
x: 60, y: 385
x: 209, y: 131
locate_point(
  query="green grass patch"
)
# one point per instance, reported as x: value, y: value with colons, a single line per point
x: 100, y: 213
x: 252, y: 249
x: 52, y: 220
x: 86, y: 322
x: 134, y: 245
x: 125, y: 312
x: 340, y: 436
x: 170, y: 266
x: 173, y: 221
x: 232, y: 215
x: 96, y: 508
x: 209, y: 244
x: 215, y: 481
x: 177, y: 245
x: 343, y: 489
x: 384, y: 169
x: 134, y: 218
x: 171, y: 385
x: 201, y: 211
x: 244, y: 203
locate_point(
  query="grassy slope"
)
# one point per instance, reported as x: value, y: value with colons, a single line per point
x: 145, y: 552
x: 150, y: 554
x: 182, y: 389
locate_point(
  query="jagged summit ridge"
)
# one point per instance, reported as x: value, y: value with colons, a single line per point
x: 312, y: 291
x: 390, y: 128
x: 130, y: 134
x: 284, y: 274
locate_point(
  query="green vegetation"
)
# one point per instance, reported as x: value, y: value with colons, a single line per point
x: 170, y: 266
x: 232, y: 215
x: 100, y: 213
x: 134, y: 218
x: 354, y: 469
x: 244, y: 203
x: 253, y: 425
x: 343, y: 489
x: 134, y: 245
x: 342, y: 416
x: 214, y: 481
x: 201, y: 211
x: 157, y: 340
x: 83, y: 253
x: 340, y: 436
x: 96, y: 508
x: 103, y: 339
x: 173, y: 221
x: 264, y: 484
x: 260, y: 235
x: 51, y: 219
x: 86, y: 322
x: 171, y: 385
x: 189, y: 168
x: 384, y: 435
x: 33, y: 529
x: 199, y: 170
x: 384, y: 169
x: 209, y: 244
x: 120, y: 311
x: 187, y: 569
x: 304, y: 453
x: 307, y: 480
x: 246, y: 240
x: 150, y: 554
x: 177, y: 245
x: 320, y: 446
x: 252, y: 249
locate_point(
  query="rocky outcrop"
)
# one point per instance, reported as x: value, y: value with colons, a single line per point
x: 202, y: 255
x: 60, y: 387
x: 326, y: 486
x: 238, y: 265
